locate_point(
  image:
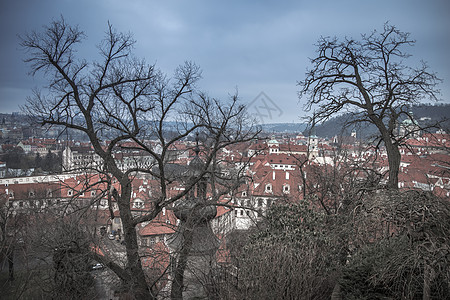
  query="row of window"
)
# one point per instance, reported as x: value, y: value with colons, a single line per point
x: 70, y: 193
x: 30, y: 194
x: 240, y: 212
x: 49, y: 193
x: 51, y: 202
x: 37, y: 203
x: 268, y: 188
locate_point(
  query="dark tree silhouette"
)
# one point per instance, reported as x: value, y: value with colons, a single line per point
x: 122, y: 99
x: 369, y: 78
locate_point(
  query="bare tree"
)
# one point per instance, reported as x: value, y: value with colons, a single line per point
x: 369, y: 78
x: 121, y: 98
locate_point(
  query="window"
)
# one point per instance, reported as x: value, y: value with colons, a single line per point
x: 138, y: 203
x: 31, y: 194
x: 116, y: 220
x: 244, y: 194
x: 268, y: 188
x: 260, y: 202
x: 152, y: 240
x: 69, y: 193
x: 242, y: 212
x: 286, y: 188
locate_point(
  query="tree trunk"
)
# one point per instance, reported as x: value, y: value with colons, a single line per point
x: 394, y: 158
x: 11, y: 264
x: 178, y: 280
x: 138, y: 285
x: 392, y: 151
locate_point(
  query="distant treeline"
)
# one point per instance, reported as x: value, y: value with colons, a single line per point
x: 424, y: 114
x: 16, y: 158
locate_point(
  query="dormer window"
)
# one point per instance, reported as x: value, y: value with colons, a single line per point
x: 286, y: 188
x: 92, y: 193
x: 138, y: 203
x: 70, y: 193
x: 268, y: 188
x: 244, y: 194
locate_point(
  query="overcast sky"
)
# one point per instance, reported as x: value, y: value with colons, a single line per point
x: 258, y: 46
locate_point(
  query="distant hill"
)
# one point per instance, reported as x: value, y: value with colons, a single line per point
x: 425, y: 113
x: 284, y: 127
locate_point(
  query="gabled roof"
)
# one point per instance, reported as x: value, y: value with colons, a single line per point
x: 162, y: 224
